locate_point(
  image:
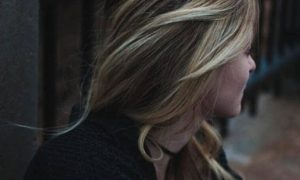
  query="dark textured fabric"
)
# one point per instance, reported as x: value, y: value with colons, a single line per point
x: 103, y: 147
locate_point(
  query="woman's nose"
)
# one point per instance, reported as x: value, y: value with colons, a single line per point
x: 252, y: 65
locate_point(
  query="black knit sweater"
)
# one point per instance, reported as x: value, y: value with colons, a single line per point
x: 102, y: 147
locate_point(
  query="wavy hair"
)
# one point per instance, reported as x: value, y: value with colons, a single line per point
x: 161, y: 58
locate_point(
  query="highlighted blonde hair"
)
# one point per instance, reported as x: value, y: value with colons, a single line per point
x: 160, y: 58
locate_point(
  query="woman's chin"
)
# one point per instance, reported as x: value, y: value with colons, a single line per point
x: 230, y: 113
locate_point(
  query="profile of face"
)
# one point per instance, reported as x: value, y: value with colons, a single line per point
x: 228, y: 92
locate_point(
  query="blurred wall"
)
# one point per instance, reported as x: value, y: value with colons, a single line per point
x: 19, y: 39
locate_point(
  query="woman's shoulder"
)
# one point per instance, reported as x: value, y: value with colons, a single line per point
x: 87, y: 152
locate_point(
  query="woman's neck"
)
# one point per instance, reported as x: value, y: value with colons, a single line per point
x: 173, y: 138
x: 176, y: 135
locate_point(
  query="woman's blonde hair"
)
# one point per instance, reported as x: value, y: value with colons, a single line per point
x: 160, y: 58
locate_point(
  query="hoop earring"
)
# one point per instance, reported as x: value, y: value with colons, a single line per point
x: 145, y: 131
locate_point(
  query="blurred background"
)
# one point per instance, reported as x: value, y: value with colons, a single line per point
x: 46, y: 51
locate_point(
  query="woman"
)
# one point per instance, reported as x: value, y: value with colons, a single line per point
x: 167, y: 68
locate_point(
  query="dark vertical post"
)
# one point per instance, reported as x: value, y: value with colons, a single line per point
x: 272, y: 26
x: 294, y: 23
x: 283, y: 19
x: 49, y: 54
x: 88, y: 37
x: 297, y: 22
x: 279, y: 45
